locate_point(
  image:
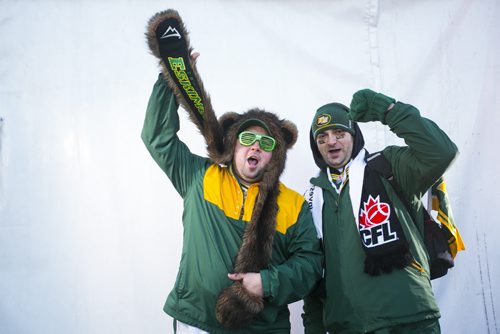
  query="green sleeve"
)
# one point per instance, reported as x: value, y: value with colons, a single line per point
x: 312, y: 318
x: 428, y: 154
x: 159, y: 134
x: 294, y: 279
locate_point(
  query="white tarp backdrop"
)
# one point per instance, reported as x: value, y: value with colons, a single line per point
x: 90, y: 233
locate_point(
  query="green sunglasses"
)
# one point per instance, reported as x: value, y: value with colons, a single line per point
x: 266, y: 143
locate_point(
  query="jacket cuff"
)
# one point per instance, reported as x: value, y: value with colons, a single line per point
x: 380, y: 104
x: 266, y: 284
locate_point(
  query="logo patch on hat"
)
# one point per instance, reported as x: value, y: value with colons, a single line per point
x: 323, y: 119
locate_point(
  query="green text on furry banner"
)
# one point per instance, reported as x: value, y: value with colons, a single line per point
x: 179, y: 68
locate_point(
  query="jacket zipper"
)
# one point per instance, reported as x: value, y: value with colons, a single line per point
x: 242, y: 211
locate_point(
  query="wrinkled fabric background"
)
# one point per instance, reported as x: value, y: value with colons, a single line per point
x: 90, y: 233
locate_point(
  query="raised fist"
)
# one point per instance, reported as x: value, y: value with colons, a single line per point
x: 367, y: 106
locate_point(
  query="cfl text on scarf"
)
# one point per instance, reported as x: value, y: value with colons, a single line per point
x: 377, y: 235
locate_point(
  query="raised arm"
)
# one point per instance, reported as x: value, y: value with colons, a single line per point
x: 429, y: 152
x: 159, y: 134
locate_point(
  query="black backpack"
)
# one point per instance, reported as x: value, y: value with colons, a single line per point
x: 435, y: 235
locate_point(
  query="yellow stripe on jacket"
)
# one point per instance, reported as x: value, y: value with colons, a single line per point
x: 219, y: 180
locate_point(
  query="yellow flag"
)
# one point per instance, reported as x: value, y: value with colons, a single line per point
x: 441, y: 204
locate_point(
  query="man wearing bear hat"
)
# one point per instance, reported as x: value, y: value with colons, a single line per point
x: 249, y: 245
x: 376, y: 277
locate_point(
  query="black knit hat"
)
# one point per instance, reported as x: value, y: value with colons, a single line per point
x: 339, y: 119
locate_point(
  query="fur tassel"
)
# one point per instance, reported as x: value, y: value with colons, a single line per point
x: 236, y: 307
x: 256, y: 249
x: 204, y: 116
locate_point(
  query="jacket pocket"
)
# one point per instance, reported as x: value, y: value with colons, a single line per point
x: 180, y: 282
x: 416, y: 268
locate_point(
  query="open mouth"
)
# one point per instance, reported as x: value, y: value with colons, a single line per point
x: 252, y: 161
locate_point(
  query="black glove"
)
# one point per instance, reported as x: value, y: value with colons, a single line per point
x: 168, y: 40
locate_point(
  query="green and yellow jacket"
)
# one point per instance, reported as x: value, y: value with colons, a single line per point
x: 214, y: 219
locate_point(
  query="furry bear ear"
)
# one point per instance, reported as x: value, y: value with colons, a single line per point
x: 289, y: 132
x: 227, y: 120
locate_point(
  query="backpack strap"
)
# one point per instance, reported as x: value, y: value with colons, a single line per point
x: 379, y: 163
x: 436, y: 243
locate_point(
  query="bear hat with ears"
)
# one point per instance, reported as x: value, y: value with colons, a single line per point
x: 236, y: 307
x: 284, y: 131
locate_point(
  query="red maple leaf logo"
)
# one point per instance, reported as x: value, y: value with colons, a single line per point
x: 374, y: 212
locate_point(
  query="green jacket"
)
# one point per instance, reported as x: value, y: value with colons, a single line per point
x: 356, y: 302
x: 214, y: 218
